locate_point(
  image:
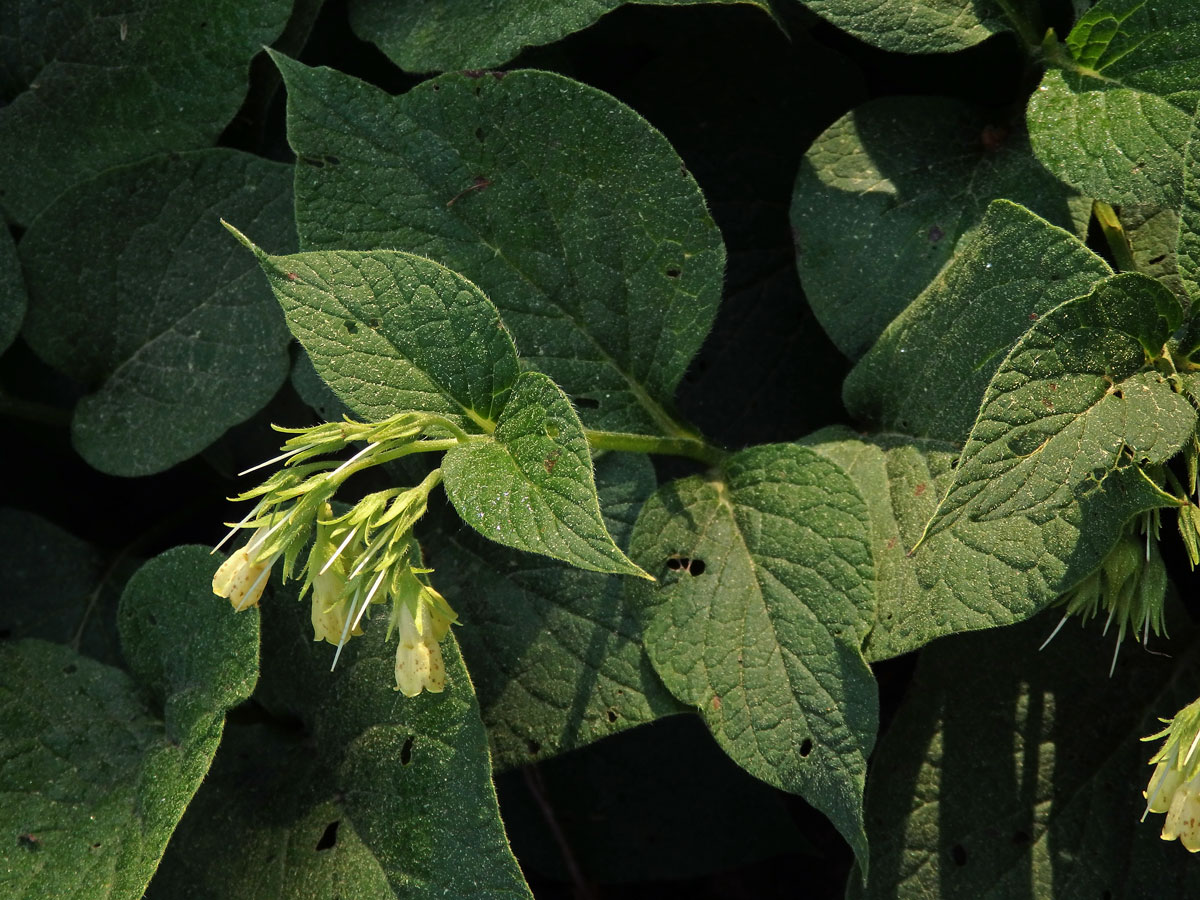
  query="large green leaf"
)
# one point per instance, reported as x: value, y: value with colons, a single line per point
x: 572, y: 214
x: 98, y: 766
x: 1070, y: 406
x: 927, y: 373
x: 930, y: 26
x: 371, y: 795
x: 764, y: 599
x: 12, y: 291
x: 889, y: 192
x: 1049, y: 476
x: 1014, y: 773
x: 97, y: 84
x: 555, y: 652
x: 440, y: 35
x: 1113, y: 114
x: 1153, y: 235
x: 137, y: 293
x: 901, y: 479
x: 392, y: 332
x: 531, y: 485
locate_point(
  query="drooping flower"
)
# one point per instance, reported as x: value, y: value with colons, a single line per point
x: 1130, y: 587
x: 243, y: 577
x: 422, y: 617
x: 1174, y: 787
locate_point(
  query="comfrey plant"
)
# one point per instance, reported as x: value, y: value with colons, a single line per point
x: 716, y: 452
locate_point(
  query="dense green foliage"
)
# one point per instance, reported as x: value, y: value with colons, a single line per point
x: 718, y: 365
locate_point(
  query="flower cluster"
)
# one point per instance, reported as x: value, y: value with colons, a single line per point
x: 365, y: 557
x: 1174, y: 787
x: 1130, y: 586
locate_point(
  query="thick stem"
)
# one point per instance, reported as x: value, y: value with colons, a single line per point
x: 693, y: 448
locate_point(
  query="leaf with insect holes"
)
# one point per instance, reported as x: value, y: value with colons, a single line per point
x: 764, y: 598
x: 98, y: 764
x: 361, y: 793
x: 574, y: 216
x: 1018, y: 773
x: 555, y: 652
x: 531, y: 486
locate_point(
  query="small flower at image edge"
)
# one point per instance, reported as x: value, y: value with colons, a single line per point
x: 243, y: 577
x: 1174, y: 787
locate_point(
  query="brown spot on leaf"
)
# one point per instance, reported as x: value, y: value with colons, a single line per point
x: 919, y: 490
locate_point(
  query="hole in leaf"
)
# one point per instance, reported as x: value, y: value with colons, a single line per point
x: 351, y: 327
x: 406, y: 752
x: 672, y: 273
x: 697, y: 567
x: 332, y: 160
x: 479, y: 134
x: 806, y: 747
x: 437, y: 87
x: 373, y: 324
x: 533, y: 747
x: 675, y: 563
x: 329, y: 837
x: 70, y: 669
x: 958, y: 854
x: 29, y: 842
x: 587, y: 403
x: 1157, y: 259
x: 612, y: 716
x: 315, y: 163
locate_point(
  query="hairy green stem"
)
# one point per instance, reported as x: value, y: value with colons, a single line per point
x: 1114, y: 233
x: 692, y: 448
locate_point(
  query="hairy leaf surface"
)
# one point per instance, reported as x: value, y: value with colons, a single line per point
x: 137, y: 293
x: 927, y: 373
x: 570, y: 212
x: 889, y: 193
x: 926, y: 26
x: 93, y: 85
x: 764, y: 599
x: 531, y: 485
x: 98, y: 766
x: 390, y: 332
x: 375, y: 795
x: 555, y: 652
x: 1113, y: 114
x: 1014, y: 773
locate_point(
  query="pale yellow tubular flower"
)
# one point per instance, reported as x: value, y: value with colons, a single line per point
x: 241, y: 578
x: 419, y: 665
x: 1183, y: 817
x: 1174, y: 787
x: 330, y: 606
